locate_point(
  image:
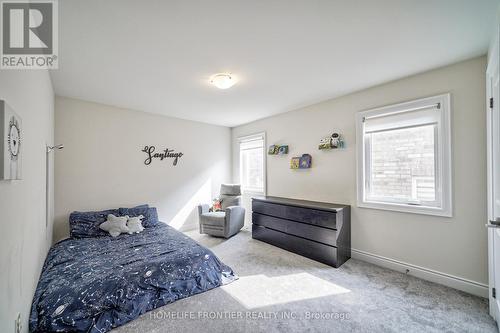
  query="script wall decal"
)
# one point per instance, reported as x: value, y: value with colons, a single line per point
x: 166, y: 153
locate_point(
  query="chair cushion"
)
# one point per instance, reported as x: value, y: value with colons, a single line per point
x: 230, y: 189
x: 230, y: 200
x: 213, y: 218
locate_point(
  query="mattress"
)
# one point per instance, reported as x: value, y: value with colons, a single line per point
x: 96, y: 284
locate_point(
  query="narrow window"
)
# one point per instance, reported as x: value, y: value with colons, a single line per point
x: 252, y: 167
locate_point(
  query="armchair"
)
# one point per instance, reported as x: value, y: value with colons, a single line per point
x: 228, y: 222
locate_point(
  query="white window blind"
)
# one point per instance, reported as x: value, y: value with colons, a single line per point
x: 252, y: 167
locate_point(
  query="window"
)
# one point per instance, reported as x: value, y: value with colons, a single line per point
x: 252, y: 163
x: 404, y: 161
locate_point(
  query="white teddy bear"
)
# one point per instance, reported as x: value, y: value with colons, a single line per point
x: 115, y: 225
x: 134, y: 224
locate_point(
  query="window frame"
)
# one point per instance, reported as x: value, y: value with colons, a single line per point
x: 264, y: 161
x: 443, y: 153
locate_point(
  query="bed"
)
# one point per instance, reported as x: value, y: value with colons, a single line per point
x: 93, y: 284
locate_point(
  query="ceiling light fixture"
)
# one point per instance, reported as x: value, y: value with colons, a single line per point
x: 223, y: 80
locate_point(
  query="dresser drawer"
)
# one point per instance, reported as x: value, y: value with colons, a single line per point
x: 305, y: 215
x: 311, y: 232
x: 316, y: 251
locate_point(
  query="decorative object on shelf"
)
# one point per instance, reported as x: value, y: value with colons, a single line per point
x: 301, y: 162
x: 10, y: 136
x: 278, y: 150
x: 166, y: 153
x: 283, y: 150
x: 335, y: 141
x: 325, y: 143
x: 305, y: 161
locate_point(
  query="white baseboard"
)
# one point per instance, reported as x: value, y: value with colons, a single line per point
x: 468, y: 286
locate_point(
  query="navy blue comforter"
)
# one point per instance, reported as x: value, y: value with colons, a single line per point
x: 95, y: 284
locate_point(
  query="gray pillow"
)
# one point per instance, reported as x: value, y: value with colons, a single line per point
x: 230, y: 200
x: 230, y: 189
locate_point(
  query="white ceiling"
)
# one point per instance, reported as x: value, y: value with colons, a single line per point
x: 157, y: 56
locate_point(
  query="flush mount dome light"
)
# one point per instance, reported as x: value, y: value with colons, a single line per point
x: 223, y: 80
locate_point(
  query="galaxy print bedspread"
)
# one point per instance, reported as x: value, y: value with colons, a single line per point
x: 96, y: 284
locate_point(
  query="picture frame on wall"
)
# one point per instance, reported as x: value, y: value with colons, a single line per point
x: 305, y: 161
x: 283, y: 150
x: 11, y: 135
x: 301, y: 162
x: 278, y: 150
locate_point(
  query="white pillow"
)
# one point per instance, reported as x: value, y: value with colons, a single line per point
x: 115, y: 225
x: 134, y: 224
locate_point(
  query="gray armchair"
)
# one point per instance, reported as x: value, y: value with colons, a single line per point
x: 228, y: 222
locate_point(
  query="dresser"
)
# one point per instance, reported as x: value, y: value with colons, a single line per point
x: 317, y: 230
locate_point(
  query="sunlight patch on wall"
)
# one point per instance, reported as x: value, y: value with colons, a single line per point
x: 202, y: 195
x: 257, y: 291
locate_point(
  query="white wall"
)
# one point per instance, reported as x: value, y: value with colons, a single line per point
x: 456, y: 246
x: 102, y: 165
x: 25, y: 238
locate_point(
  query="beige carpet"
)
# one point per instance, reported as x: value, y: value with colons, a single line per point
x: 279, y: 291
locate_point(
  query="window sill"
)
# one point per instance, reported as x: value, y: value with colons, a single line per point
x: 403, y: 208
x: 252, y: 192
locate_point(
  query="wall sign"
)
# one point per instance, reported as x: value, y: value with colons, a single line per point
x: 165, y: 153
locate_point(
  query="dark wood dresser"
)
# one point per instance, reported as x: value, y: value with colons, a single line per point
x: 317, y: 230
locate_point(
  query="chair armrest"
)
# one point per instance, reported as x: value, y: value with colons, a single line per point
x: 203, y: 208
x: 235, y: 219
x: 234, y: 210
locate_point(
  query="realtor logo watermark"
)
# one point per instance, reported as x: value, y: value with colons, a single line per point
x: 29, y: 35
